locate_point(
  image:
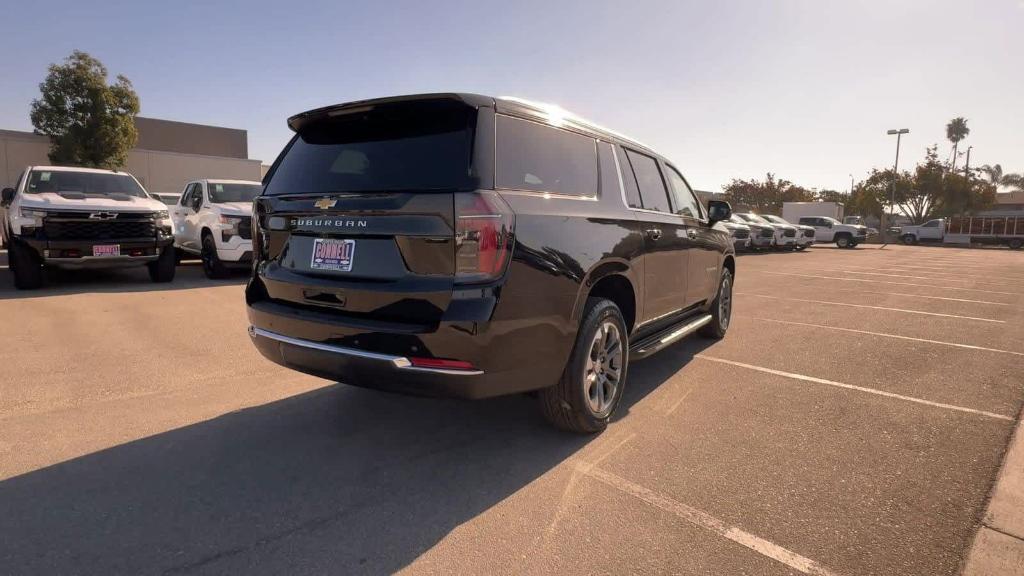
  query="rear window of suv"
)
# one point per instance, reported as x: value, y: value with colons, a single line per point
x: 407, y: 146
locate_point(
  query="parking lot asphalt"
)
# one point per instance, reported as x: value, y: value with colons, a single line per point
x: 853, y: 421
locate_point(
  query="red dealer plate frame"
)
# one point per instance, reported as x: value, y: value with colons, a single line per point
x: 336, y: 255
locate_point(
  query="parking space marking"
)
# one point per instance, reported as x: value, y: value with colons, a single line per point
x: 847, y: 271
x: 708, y: 522
x: 947, y: 298
x: 869, y: 333
x: 933, y: 275
x: 815, y: 380
x: 875, y: 307
x: 885, y: 282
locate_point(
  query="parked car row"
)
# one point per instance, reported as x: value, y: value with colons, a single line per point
x: 76, y: 218
x: 752, y: 231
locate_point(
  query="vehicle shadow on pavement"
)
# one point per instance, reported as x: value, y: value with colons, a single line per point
x: 339, y: 480
x: 135, y: 279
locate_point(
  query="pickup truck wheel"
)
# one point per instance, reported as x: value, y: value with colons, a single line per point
x: 843, y: 241
x: 721, y: 309
x: 591, y: 386
x: 212, y: 266
x: 27, y: 269
x: 1015, y: 243
x: 163, y: 269
x: 909, y: 239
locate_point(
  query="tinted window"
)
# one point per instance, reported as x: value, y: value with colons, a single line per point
x: 628, y: 181
x: 648, y: 179
x: 221, y: 192
x: 187, y: 195
x: 931, y: 224
x: 531, y: 156
x: 686, y: 204
x: 88, y: 183
x: 421, y: 145
x: 610, y: 183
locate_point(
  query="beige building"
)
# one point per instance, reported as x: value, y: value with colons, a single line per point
x: 167, y: 155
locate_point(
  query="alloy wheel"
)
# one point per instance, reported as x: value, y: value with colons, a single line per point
x: 603, y: 371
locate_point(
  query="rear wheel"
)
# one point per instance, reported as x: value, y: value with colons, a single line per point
x: 163, y: 269
x: 27, y: 269
x: 908, y: 239
x: 591, y: 386
x: 212, y: 266
x: 721, y: 309
x: 1015, y: 243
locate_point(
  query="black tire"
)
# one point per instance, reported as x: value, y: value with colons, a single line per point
x: 843, y: 240
x: 26, y: 266
x: 1015, y: 243
x: 721, y: 315
x: 212, y: 266
x: 567, y: 404
x: 164, y: 267
x: 908, y: 239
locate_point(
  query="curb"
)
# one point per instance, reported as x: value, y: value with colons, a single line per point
x: 998, y: 547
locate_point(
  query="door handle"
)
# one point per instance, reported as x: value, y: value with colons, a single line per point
x: 654, y: 233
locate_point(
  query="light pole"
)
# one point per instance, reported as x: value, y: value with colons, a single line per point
x: 895, y: 173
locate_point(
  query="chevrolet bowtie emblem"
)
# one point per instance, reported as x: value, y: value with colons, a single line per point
x: 325, y: 203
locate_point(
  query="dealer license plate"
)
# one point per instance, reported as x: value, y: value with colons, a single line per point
x: 106, y: 250
x: 333, y: 254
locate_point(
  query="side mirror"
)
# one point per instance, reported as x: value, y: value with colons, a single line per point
x: 829, y: 224
x: 718, y: 210
x: 7, y: 197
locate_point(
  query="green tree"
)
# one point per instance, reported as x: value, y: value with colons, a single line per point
x: 956, y: 130
x: 89, y: 122
x: 765, y: 196
x: 1000, y: 179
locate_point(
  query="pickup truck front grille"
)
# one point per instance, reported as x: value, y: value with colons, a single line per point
x: 789, y: 233
x: 741, y: 234
x: 99, y: 230
x: 766, y: 233
x: 808, y: 233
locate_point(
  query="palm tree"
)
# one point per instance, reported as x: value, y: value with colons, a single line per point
x: 956, y: 131
x: 999, y: 179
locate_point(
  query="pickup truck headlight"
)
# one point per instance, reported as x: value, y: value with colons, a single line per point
x: 231, y: 225
x: 36, y: 215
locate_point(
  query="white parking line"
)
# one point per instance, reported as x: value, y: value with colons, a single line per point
x: 869, y: 333
x: 853, y: 387
x: 847, y: 271
x: 905, y: 311
x: 704, y: 520
x: 947, y: 298
x: 885, y: 282
x: 935, y: 275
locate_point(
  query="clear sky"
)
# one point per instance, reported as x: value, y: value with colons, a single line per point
x: 804, y: 89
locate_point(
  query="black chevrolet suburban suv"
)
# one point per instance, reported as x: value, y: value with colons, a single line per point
x: 464, y: 245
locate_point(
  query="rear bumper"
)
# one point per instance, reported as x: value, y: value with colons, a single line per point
x: 368, y: 369
x: 377, y: 356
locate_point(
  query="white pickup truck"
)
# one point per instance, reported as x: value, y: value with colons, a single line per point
x: 83, y: 218
x: 213, y: 220
x: 968, y: 230
x: 828, y: 230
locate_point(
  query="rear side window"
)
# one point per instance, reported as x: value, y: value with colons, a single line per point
x: 648, y: 179
x: 407, y: 146
x: 532, y: 156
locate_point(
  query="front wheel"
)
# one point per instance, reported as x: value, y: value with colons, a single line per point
x: 163, y: 269
x: 27, y: 269
x: 843, y: 241
x: 721, y: 309
x: 212, y: 266
x: 591, y: 386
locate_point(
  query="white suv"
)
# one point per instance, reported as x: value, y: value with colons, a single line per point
x: 213, y: 220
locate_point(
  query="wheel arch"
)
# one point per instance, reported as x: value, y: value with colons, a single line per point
x: 612, y: 280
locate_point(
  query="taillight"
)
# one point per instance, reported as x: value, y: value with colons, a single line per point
x: 483, y: 236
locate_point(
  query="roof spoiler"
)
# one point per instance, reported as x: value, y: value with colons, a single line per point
x: 299, y: 121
